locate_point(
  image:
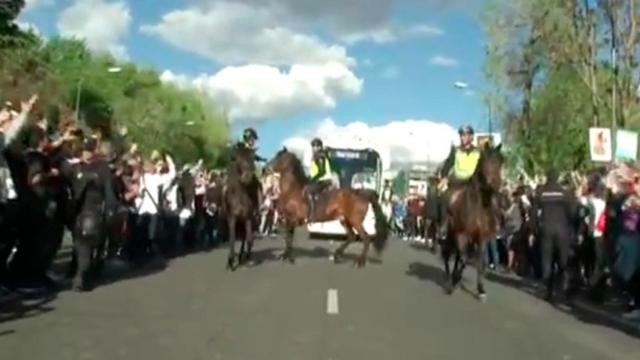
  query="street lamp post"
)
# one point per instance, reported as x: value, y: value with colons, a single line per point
x: 464, y: 86
x: 111, y: 70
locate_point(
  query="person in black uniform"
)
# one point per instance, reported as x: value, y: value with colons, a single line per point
x: 555, y: 209
x: 41, y: 197
x: 249, y: 138
x: 95, y: 203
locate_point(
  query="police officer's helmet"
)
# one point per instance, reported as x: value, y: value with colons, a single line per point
x: 316, y: 142
x: 465, y: 130
x: 250, y: 133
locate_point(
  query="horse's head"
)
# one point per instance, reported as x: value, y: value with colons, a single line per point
x: 490, y: 166
x: 243, y: 164
x: 281, y: 162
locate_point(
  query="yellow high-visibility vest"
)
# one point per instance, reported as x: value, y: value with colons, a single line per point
x: 465, y: 164
x: 315, y: 170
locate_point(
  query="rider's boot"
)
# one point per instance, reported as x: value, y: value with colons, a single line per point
x: 312, y: 207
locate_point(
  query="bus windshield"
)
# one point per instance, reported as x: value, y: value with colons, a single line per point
x: 358, y: 169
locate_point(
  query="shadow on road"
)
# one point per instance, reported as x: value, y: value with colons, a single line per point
x: 429, y: 273
x: 25, y: 307
x: 579, y: 307
x: 423, y: 247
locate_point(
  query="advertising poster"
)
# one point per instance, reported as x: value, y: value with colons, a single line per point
x: 600, y: 144
x: 626, y: 145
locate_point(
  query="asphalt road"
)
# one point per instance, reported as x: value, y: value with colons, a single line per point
x: 194, y: 309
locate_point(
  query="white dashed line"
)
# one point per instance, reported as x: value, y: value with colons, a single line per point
x: 332, y: 301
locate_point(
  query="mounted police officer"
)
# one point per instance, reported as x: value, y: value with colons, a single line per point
x: 249, y: 138
x: 320, y: 173
x: 555, y: 209
x: 463, y: 160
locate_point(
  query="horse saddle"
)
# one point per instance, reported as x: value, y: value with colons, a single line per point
x: 313, y: 199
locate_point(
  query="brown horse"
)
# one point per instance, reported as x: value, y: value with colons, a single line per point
x: 348, y: 205
x: 239, y: 202
x: 473, y: 218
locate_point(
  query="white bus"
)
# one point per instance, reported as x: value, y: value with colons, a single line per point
x: 354, y: 169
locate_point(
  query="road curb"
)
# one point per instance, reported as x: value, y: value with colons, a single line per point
x: 605, y: 316
x: 580, y: 304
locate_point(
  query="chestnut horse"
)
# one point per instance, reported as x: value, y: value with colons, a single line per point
x: 347, y: 205
x: 473, y: 218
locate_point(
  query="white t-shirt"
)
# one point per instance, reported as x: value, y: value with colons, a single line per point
x: 598, y: 205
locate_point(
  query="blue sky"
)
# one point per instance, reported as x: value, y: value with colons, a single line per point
x: 363, y: 67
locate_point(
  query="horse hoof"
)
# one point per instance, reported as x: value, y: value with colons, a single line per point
x: 78, y: 287
x: 286, y: 257
x: 482, y: 297
x: 450, y: 289
x: 231, y: 264
x: 360, y: 263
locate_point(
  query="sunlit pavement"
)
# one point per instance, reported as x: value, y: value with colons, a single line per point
x: 314, y: 309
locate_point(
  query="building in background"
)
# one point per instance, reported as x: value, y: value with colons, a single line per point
x: 418, y: 180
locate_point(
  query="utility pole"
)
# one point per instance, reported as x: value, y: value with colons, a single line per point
x: 78, y: 92
x: 490, y: 123
x: 614, y: 65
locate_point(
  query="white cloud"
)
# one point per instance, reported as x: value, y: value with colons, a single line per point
x: 279, y: 32
x: 440, y: 60
x: 235, y: 33
x: 34, y: 4
x: 424, y: 30
x: 258, y: 92
x: 102, y: 24
x: 340, y: 17
x: 398, y: 142
x: 391, y: 33
x: 27, y: 26
x: 391, y: 72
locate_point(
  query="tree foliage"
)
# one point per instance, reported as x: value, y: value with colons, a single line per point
x: 400, y: 183
x: 157, y: 115
x: 550, y: 66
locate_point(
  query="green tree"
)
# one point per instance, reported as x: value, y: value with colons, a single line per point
x: 550, y: 72
x: 9, y: 11
x: 400, y: 183
x: 158, y: 116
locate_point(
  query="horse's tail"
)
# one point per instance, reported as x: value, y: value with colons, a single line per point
x: 381, y: 225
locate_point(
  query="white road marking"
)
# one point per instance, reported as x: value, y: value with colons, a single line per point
x: 332, y: 301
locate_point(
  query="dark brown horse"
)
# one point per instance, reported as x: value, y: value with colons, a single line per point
x: 348, y: 205
x: 473, y: 218
x: 239, y: 202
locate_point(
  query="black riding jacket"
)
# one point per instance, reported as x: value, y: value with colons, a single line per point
x: 241, y: 144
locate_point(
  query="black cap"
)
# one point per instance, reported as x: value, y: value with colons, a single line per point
x: 466, y: 130
x: 250, y: 133
x: 316, y: 142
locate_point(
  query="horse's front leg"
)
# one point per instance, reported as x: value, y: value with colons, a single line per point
x: 366, y: 241
x: 248, y: 226
x: 351, y: 237
x: 231, y: 259
x: 288, y: 250
x: 480, y: 267
x: 452, y: 277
